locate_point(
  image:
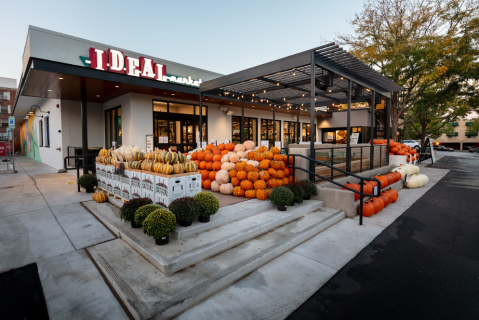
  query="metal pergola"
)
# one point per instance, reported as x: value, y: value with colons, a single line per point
x: 319, y: 80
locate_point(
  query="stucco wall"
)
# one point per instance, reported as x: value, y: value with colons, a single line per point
x: 359, y: 118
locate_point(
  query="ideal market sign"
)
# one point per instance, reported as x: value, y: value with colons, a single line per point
x: 115, y: 61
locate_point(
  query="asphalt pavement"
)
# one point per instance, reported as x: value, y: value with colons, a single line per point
x: 423, y: 266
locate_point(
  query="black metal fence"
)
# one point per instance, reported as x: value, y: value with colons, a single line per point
x: 76, y: 162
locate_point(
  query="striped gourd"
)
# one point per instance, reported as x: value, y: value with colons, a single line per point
x: 98, y: 159
x: 171, y: 157
x: 105, y: 160
x: 135, y: 165
x: 178, y: 168
x: 139, y: 156
x: 181, y: 157
x: 107, y: 153
x: 130, y: 163
x: 191, y: 166
x: 163, y: 157
x: 150, y: 156
x: 151, y: 166
x: 157, y: 167
x: 167, y: 169
x: 99, y: 197
x: 102, y: 152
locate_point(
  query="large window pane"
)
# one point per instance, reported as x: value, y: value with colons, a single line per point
x: 160, y: 106
x: 113, y: 130
x: 250, y: 129
x: 289, y: 133
x: 306, y: 132
x: 181, y: 108
x: 197, y: 112
x: 267, y: 131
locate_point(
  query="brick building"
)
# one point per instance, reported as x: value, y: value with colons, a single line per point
x: 8, y: 91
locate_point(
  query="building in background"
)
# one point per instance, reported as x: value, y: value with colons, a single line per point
x: 8, y: 92
x: 459, y: 139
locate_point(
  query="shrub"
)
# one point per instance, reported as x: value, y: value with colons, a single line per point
x: 185, y: 209
x: 159, y: 223
x: 208, y: 202
x: 142, y: 212
x: 309, y: 188
x: 88, y: 181
x: 298, y: 191
x: 129, y: 208
x: 281, y: 196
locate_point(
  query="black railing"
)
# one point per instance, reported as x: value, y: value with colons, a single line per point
x: 314, y: 174
x: 78, y: 161
x: 78, y: 151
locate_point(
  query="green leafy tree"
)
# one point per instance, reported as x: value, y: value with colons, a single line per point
x: 474, y: 127
x: 421, y: 45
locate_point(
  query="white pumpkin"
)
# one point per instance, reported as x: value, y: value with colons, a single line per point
x: 424, y: 178
x: 225, y: 158
x: 244, y: 159
x: 253, y: 162
x: 228, y: 166
x: 401, y: 170
x: 234, y: 158
x: 241, y: 154
x: 239, y: 147
x: 215, y: 186
x: 249, y: 144
x: 226, y: 188
x: 222, y: 176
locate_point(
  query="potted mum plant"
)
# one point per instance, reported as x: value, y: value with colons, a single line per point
x: 209, y: 205
x: 186, y: 210
x: 88, y: 182
x: 297, y: 190
x: 128, y: 210
x: 142, y: 212
x: 309, y: 188
x: 281, y: 197
x: 159, y: 224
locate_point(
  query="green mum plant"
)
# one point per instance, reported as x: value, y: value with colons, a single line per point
x: 88, y: 182
x: 309, y: 187
x: 160, y: 223
x: 297, y: 190
x: 208, y: 202
x: 127, y: 211
x: 142, y: 212
x: 281, y: 196
x: 185, y: 209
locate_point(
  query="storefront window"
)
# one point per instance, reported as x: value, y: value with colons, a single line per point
x: 338, y: 135
x: 113, y: 127
x: 268, y: 129
x: 290, y: 132
x: 250, y: 129
x: 181, y: 108
x: 306, y: 132
x: 160, y: 106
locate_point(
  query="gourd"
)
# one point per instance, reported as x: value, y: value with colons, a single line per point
x: 424, y: 178
x: 246, y: 185
x: 250, y: 155
x: 181, y: 157
x: 259, y: 184
x: 238, y: 192
x: 233, y: 158
x: 259, y: 156
x: 250, y: 193
x: 264, y: 165
x: 233, y: 173
x: 167, y: 168
x: 254, y: 163
x: 139, y: 156
x: 241, y: 175
x: 235, y: 182
x: 191, y: 166
x: 228, y: 166
x: 262, y: 194
x: 225, y: 158
x: 215, y: 186
x: 241, y: 154
x: 102, y: 152
x: 264, y: 175
x: 178, y: 167
x: 274, y: 150
x: 222, y: 176
x: 157, y: 167
x: 285, y: 181
x: 248, y: 144
x: 239, y: 147
x: 240, y: 165
x: 99, y: 197
x: 253, y: 176
x: 268, y: 155
x: 368, y: 209
x: 272, y: 172
x: 226, y: 188
x: 249, y: 167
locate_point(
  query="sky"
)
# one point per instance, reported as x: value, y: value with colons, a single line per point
x: 220, y: 36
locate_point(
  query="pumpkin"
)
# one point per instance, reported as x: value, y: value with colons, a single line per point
x: 178, y: 168
x: 209, y: 166
x: 353, y: 186
x: 286, y: 171
x: 250, y: 193
x: 99, y: 197
x: 201, y: 156
x: 275, y: 150
x: 224, y: 152
x: 380, y: 202
x: 240, y: 165
x: 258, y: 156
x: 203, y: 165
x: 272, y: 172
x: 209, y: 157
x: 194, y: 156
x: 170, y: 157
x: 394, y: 194
x: 157, y: 167
x: 275, y: 164
x: 278, y: 157
x: 226, y: 188
x: 246, y: 185
x: 239, y: 147
x: 253, y: 176
x: 280, y: 174
x: 233, y: 173
x: 167, y: 168
x: 285, y: 181
x: 204, y: 174
x: 238, y: 192
x: 249, y: 167
x: 215, y: 186
x: 279, y: 182
x: 264, y: 175
x: 256, y: 170
x: 264, y: 165
x: 262, y: 194
x: 209, y: 146
x: 134, y: 165
x: 216, y: 166
x: 230, y: 146
x: 241, y: 154
x: 191, y: 166
x: 225, y: 158
x: 287, y: 158
x: 262, y: 149
x: 368, y: 209
x: 248, y: 144
x: 207, y: 184
x: 235, y: 182
x: 250, y: 155
x: 384, y: 182
x: 253, y: 163
x: 222, y: 176
x: 102, y: 152
x: 228, y: 166
x: 234, y: 158
x: 268, y: 155
x: 212, y: 175
x: 259, y: 184
x: 221, y: 146
x: 271, y: 183
x: 241, y: 175
x: 217, y: 157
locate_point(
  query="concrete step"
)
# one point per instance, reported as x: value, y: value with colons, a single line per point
x: 149, y: 294
x: 179, y: 254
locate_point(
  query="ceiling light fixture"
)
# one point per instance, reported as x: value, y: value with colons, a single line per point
x: 117, y: 86
x: 98, y: 96
x: 60, y: 78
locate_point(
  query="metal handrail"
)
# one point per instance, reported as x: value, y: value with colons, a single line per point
x: 362, y: 179
x: 77, y: 167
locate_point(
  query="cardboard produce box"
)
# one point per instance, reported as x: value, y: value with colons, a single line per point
x: 193, y: 184
x: 126, y: 191
x: 109, y: 170
x: 117, y: 188
x: 109, y: 185
x: 136, y: 176
x: 168, y: 188
x: 98, y: 168
x: 136, y: 192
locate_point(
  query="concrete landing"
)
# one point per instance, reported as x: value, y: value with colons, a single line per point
x: 147, y: 293
x: 179, y: 254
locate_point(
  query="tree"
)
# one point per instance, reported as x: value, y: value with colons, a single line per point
x: 415, y: 43
x: 474, y: 127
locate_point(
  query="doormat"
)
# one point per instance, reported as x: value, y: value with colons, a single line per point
x: 21, y: 294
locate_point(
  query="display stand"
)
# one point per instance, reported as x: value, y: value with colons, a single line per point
x: 427, y: 152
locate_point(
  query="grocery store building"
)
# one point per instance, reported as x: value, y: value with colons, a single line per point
x: 79, y: 93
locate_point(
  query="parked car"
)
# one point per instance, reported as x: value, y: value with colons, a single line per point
x: 468, y: 147
x: 448, y: 149
x: 474, y: 150
x: 438, y: 147
x: 413, y: 144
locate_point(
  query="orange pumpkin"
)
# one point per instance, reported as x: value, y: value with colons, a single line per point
x: 268, y: 191
x: 268, y: 155
x: 282, y: 165
x: 246, y: 185
x: 194, y: 156
x: 217, y: 166
x: 256, y: 170
x: 198, y: 163
x: 241, y: 175
x: 262, y: 194
x: 230, y: 146
x: 233, y: 173
x: 201, y: 155
x: 285, y: 159
x: 272, y: 183
x: 262, y: 149
x: 264, y: 175
x: 279, y: 182
x: 280, y: 174
x: 259, y: 184
x: 212, y: 175
x: 209, y: 146
x: 250, y: 194
x: 264, y: 165
x: 253, y: 176
x: 240, y: 165
x: 285, y: 181
x: 274, y: 150
x: 272, y: 172
x: 224, y: 152
x: 209, y: 157
x: 217, y: 157
x: 238, y: 192
x: 278, y: 157
x: 275, y: 164
x: 203, y: 165
x: 249, y: 167
x: 221, y: 146
x: 290, y: 178
x: 216, y: 152
x: 207, y: 184
x: 250, y: 155
x: 204, y: 174
x: 209, y: 166
x: 258, y: 156
x: 235, y: 182
x: 286, y: 171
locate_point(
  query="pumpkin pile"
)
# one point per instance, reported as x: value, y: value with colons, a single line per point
x: 162, y: 161
x: 242, y: 169
x: 400, y: 149
x: 376, y: 204
x: 368, y: 187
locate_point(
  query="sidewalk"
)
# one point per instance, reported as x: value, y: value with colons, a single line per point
x: 43, y: 222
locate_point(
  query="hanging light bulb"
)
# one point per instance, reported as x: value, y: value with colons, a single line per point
x: 277, y: 84
x: 253, y: 94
